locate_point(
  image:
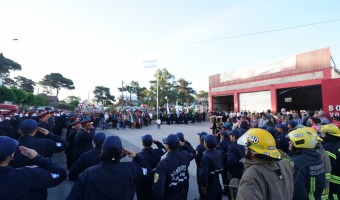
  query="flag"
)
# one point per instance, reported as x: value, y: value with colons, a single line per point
x: 150, y: 63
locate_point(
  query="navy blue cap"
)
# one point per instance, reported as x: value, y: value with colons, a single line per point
x: 292, y: 123
x: 75, y: 123
x: 7, y: 147
x: 147, y: 139
x: 28, y: 125
x: 112, y: 142
x: 44, y: 114
x: 228, y: 127
x: 180, y: 135
x: 86, y: 121
x: 264, y: 127
x: 172, y: 140
x: 73, y: 116
x: 210, y: 140
x: 282, y: 126
x: 271, y: 130
x: 202, y: 134
x: 236, y: 133
x: 224, y: 133
x: 99, y: 138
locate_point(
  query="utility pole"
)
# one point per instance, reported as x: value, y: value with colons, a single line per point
x: 122, y: 94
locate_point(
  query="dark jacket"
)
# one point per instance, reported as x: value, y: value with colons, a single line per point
x: 18, y: 183
x: 83, y: 142
x: 235, y: 153
x: 170, y: 175
x: 209, y: 175
x: 109, y: 180
x: 309, y: 175
x: 44, y: 147
x: 86, y: 160
x: 152, y: 157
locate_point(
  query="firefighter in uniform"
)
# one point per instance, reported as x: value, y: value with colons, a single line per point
x: 200, y: 149
x: 171, y: 172
x: 83, y: 139
x: 88, y: 159
x: 19, y: 183
x: 267, y: 174
x: 111, y: 179
x: 210, y: 169
x: 152, y: 157
x: 331, y: 136
x: 309, y: 169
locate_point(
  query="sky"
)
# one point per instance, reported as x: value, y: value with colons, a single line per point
x: 104, y: 42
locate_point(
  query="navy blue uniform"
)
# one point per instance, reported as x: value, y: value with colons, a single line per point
x: 86, y: 160
x: 109, y: 180
x: 152, y: 157
x: 309, y: 175
x: 283, y: 142
x: 170, y: 175
x: 333, y: 149
x: 235, y: 153
x: 199, y: 154
x: 45, y: 126
x: 70, y: 148
x: 210, y: 169
x: 18, y: 183
x: 187, y: 147
x: 44, y: 147
x: 223, y: 146
x: 83, y: 142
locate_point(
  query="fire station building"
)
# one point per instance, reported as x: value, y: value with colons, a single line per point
x: 301, y: 82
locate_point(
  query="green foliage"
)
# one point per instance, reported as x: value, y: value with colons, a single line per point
x: 6, y: 94
x: 40, y: 100
x: 102, y: 94
x: 6, y: 65
x: 202, y: 96
x: 56, y: 81
x: 21, y: 95
x: 25, y: 83
x: 70, y: 99
x: 30, y: 99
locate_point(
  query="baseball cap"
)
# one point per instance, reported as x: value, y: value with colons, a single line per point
x: 172, y: 140
x: 180, y: 135
x: 44, y: 114
x: 7, y: 147
x: 210, y: 140
x: 235, y: 132
x: 147, y: 139
x: 282, y: 126
x: 99, y: 138
x: 224, y: 133
x: 292, y: 123
x: 28, y: 125
x: 202, y: 134
x: 112, y: 142
x: 86, y: 121
x: 75, y: 123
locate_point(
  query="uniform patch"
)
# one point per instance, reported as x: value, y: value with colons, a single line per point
x: 155, y: 178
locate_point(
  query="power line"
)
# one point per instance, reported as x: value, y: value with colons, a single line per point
x: 234, y: 36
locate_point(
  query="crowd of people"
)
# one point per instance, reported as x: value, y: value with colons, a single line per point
x: 286, y: 155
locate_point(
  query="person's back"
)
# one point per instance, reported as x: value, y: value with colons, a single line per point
x: 170, y: 172
x: 309, y: 169
x: 266, y: 176
x: 111, y: 179
x: 18, y: 183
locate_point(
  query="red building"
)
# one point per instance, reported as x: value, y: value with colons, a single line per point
x: 301, y: 82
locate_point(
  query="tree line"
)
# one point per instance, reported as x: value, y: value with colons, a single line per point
x: 20, y: 89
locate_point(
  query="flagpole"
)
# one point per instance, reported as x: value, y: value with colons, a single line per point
x: 157, y: 93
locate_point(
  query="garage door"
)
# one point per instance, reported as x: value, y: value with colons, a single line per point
x: 255, y: 101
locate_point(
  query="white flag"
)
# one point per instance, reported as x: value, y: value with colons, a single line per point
x: 150, y: 63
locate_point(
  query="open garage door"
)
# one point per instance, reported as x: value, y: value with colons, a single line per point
x: 255, y: 101
x: 225, y: 102
x: 300, y: 98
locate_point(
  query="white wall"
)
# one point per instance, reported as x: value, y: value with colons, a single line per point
x: 255, y: 101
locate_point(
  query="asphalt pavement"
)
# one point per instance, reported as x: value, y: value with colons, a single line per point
x: 131, y: 139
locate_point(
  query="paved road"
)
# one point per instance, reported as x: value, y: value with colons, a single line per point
x: 131, y: 139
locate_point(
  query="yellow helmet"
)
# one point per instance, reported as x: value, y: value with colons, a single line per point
x: 313, y: 131
x: 304, y: 138
x: 330, y: 129
x: 261, y: 142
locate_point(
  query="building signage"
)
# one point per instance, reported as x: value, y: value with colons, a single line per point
x: 270, y: 67
x: 331, y: 97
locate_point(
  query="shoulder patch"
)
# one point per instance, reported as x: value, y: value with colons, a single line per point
x: 155, y: 178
